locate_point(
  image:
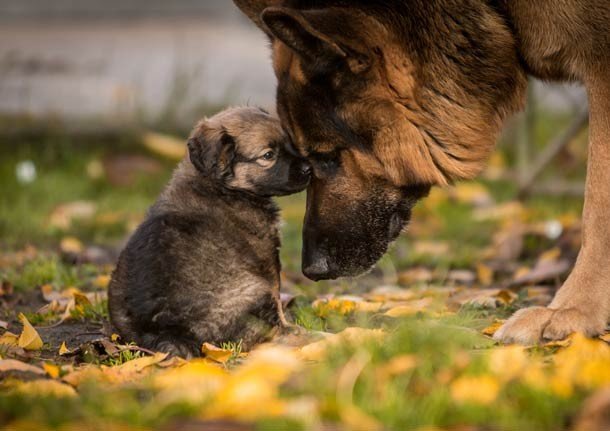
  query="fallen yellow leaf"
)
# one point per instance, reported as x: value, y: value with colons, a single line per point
x: 132, y: 370
x: 491, y: 329
x: 325, y: 307
x: 45, y: 388
x: 586, y: 362
x: 102, y: 281
x: 165, y: 145
x: 216, y: 354
x: 63, y: 349
x: 29, y: 338
x: 485, y: 274
x: 71, y: 245
x: 508, y: 362
x: 317, y: 350
x: 475, y: 389
x: 81, y: 300
x: 195, y: 381
x: 398, y: 365
x: 52, y: 370
x: 409, y: 309
x: 550, y: 255
x: 471, y: 193
x: 9, y: 339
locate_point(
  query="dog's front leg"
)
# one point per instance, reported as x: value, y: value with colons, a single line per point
x: 583, y: 302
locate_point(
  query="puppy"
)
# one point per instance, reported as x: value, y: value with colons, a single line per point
x: 204, y: 266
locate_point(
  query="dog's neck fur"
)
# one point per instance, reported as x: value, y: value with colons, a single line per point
x: 460, y: 106
x: 189, y: 191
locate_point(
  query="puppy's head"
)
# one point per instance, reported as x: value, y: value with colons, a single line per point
x: 245, y: 149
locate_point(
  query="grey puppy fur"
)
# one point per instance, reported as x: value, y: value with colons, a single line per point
x: 204, y: 266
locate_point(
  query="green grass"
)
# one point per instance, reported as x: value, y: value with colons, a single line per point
x: 61, y: 163
x: 413, y: 399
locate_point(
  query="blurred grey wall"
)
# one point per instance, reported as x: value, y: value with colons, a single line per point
x: 129, y: 60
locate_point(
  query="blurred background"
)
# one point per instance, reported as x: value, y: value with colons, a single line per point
x: 96, y: 99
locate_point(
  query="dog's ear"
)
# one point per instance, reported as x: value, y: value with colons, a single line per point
x: 254, y: 8
x: 212, y: 152
x: 309, y: 34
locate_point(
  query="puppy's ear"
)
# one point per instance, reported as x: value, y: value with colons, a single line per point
x: 212, y: 152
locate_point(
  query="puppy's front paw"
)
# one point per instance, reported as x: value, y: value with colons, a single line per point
x: 565, y: 321
x: 526, y: 326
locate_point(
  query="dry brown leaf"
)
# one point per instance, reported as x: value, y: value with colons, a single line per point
x: 543, y: 271
x: 29, y: 338
x: 15, y: 365
x: 3, y: 324
x: 594, y: 413
x: 605, y: 337
x: 215, y: 353
x: 507, y: 243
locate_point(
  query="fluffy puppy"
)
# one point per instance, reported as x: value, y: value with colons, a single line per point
x: 204, y: 266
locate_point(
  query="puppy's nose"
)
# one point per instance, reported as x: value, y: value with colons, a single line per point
x: 306, y: 168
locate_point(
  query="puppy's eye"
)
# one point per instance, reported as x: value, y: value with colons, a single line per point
x: 269, y: 155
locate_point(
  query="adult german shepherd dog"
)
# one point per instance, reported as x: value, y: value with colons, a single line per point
x: 388, y: 98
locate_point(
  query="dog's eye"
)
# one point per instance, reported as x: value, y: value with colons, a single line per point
x: 269, y: 155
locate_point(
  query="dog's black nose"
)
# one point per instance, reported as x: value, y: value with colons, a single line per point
x: 306, y: 168
x: 317, y: 270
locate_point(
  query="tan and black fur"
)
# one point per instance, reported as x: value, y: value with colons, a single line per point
x: 388, y: 98
x: 204, y: 265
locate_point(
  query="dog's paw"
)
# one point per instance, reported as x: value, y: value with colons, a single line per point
x: 525, y: 327
x: 536, y: 324
x: 566, y: 321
